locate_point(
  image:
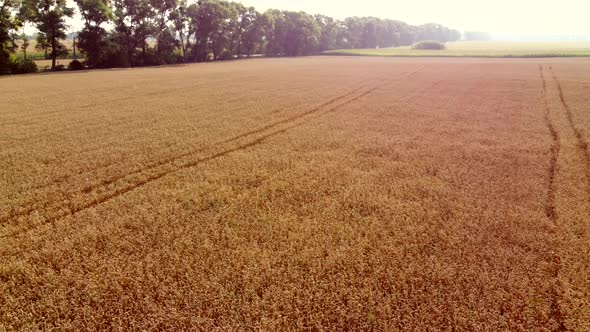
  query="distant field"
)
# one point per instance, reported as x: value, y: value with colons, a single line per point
x: 39, y: 55
x: 46, y: 64
x: 483, y: 49
x: 317, y: 193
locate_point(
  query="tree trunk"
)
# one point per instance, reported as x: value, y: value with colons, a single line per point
x: 182, y: 47
x: 239, y: 50
x: 143, y: 51
x: 128, y: 48
x: 214, y: 50
x: 53, y: 52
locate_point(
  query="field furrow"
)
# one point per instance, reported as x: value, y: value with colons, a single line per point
x: 102, y: 192
x: 572, y: 205
x: 68, y: 203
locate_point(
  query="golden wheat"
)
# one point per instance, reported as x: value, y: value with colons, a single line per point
x: 298, y: 194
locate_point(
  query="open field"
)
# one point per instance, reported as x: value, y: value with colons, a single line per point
x: 46, y: 64
x: 320, y: 193
x: 483, y: 49
x: 39, y: 55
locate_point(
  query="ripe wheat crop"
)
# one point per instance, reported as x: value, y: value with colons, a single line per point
x: 320, y: 193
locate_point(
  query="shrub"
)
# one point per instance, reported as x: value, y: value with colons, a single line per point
x: 226, y: 56
x: 429, y: 45
x: 22, y: 66
x: 60, y: 68
x: 76, y: 65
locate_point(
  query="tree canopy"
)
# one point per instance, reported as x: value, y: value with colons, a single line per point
x: 123, y: 33
x: 8, y: 25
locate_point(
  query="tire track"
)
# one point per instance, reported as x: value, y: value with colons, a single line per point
x: 36, y: 205
x: 100, y: 167
x: 100, y: 147
x: 582, y: 143
x: 67, y: 177
x: 188, y: 164
x: 292, y: 118
x: 105, y: 182
x: 550, y: 207
x: 556, y: 294
x: 175, y: 163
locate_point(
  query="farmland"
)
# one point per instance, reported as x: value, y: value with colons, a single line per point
x: 482, y: 49
x: 318, y: 193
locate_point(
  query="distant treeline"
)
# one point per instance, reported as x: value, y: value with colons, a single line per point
x: 477, y: 35
x: 129, y: 33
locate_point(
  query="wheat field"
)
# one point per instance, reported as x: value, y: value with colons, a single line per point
x: 319, y: 193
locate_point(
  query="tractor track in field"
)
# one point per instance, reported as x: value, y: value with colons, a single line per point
x: 550, y: 205
x: 177, y: 165
x: 182, y: 155
x: 188, y: 153
x: 582, y: 149
x: 105, y: 182
x: 582, y: 144
x: 91, y: 170
x: 550, y: 209
x: 66, y: 177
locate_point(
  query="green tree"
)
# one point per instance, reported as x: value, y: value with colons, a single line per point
x: 180, y: 22
x: 133, y: 21
x: 302, y: 34
x: 165, y: 40
x: 353, y: 27
x: 328, y: 32
x: 150, y: 32
x: 42, y: 44
x: 252, y: 37
x: 221, y: 35
x: 209, y: 21
x: 49, y: 18
x: 92, y: 40
x: 8, y: 25
x: 275, y: 30
x: 25, y: 44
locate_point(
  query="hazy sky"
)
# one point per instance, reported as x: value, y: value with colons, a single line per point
x: 499, y: 17
x: 513, y: 17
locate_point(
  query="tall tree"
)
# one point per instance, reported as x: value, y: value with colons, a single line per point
x: 165, y: 41
x: 180, y: 22
x: 25, y: 44
x: 275, y: 31
x: 49, y: 17
x: 151, y: 32
x: 8, y: 25
x: 209, y: 21
x: 92, y: 39
x: 41, y: 44
x: 223, y: 18
x: 302, y: 34
x: 328, y: 32
x: 252, y: 37
x: 133, y: 26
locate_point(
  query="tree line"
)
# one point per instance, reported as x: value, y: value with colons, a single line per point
x: 130, y: 33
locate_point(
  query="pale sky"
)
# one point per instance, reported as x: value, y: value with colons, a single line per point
x: 506, y: 17
x: 499, y: 17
